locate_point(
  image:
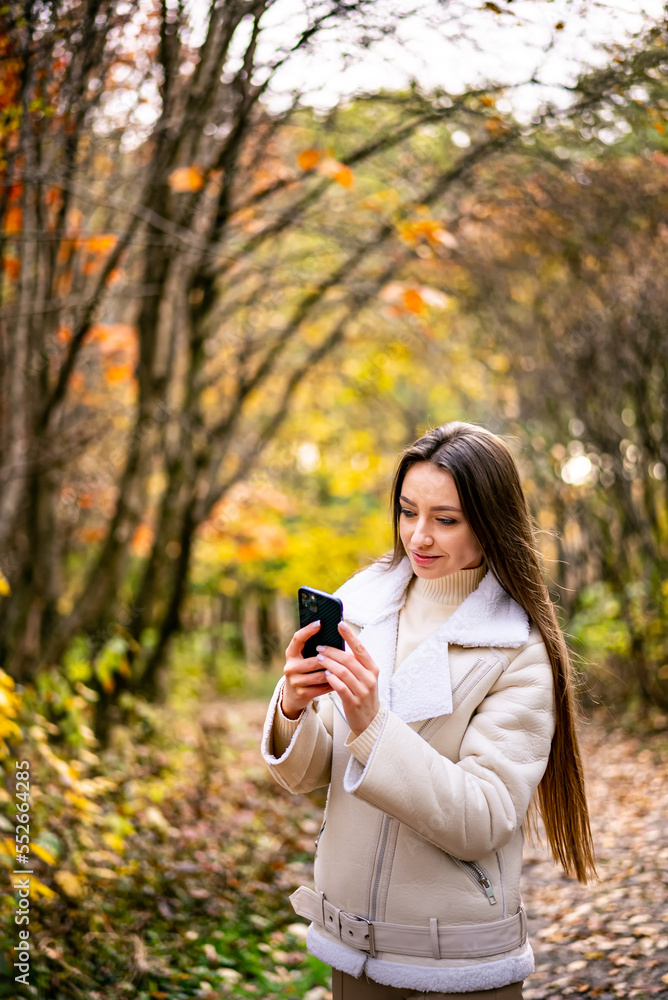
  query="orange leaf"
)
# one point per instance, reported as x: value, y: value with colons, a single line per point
x: 13, y: 220
x: 496, y: 125
x: 65, y: 283
x: 336, y: 171
x: 92, y: 534
x: 186, y: 179
x: 53, y: 196
x: 115, y: 277
x: 119, y: 373
x: 101, y: 243
x: 414, y: 301
x: 65, y: 250
x: 64, y: 335
x: 345, y: 177
x: 12, y: 267
x: 308, y: 159
x: 114, y: 337
x: 142, y: 540
x: 247, y: 552
x: 74, y: 220
x: 86, y: 500
x: 77, y: 381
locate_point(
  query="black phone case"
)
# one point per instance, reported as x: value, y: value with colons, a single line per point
x: 314, y: 604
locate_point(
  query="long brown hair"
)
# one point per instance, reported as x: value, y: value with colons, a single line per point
x: 496, y: 509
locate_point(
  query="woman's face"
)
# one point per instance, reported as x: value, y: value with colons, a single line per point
x: 431, y: 522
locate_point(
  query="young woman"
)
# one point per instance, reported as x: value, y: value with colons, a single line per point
x: 445, y: 720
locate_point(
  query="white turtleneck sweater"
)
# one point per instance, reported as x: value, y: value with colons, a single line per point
x: 429, y: 602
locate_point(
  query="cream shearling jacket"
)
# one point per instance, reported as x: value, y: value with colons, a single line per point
x: 427, y: 821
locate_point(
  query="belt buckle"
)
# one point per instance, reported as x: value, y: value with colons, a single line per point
x: 372, y: 945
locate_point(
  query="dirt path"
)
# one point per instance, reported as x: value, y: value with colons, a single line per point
x: 610, y: 940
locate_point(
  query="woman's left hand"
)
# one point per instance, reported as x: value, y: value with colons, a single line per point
x: 354, y: 676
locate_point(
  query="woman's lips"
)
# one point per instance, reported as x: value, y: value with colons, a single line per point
x: 424, y: 560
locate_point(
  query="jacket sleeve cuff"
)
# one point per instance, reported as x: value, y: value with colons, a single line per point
x: 362, y: 745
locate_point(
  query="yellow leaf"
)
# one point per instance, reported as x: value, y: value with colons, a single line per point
x: 81, y: 803
x: 10, y: 729
x: 308, y: 159
x: 115, y: 842
x: 186, y: 179
x: 41, y: 853
x: 69, y: 883
x: 8, y: 847
x: 40, y: 888
x: 103, y: 873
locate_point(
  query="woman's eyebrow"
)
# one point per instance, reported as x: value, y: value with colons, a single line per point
x: 413, y: 504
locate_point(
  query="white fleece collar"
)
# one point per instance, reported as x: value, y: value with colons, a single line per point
x: 420, y: 688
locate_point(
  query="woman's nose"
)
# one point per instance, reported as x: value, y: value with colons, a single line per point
x: 421, y: 536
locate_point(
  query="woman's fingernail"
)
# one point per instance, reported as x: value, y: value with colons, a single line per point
x: 313, y: 624
x: 320, y: 657
x: 320, y: 648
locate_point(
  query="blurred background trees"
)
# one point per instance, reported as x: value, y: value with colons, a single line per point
x: 222, y: 316
x: 221, y: 322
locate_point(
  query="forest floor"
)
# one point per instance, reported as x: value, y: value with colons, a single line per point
x: 606, y: 941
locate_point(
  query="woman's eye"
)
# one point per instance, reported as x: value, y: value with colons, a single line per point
x: 441, y: 520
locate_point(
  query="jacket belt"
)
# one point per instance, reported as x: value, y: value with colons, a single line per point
x: 428, y: 941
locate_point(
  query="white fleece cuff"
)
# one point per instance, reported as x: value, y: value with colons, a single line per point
x: 362, y: 745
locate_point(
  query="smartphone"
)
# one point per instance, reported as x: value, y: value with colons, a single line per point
x: 316, y: 604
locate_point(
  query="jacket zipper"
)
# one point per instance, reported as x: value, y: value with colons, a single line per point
x: 469, y: 671
x: 477, y: 873
x: 480, y: 876
x: 475, y: 870
x: 455, y: 688
x: 379, y: 864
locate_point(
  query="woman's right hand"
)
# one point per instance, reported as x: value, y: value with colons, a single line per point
x: 304, y: 677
